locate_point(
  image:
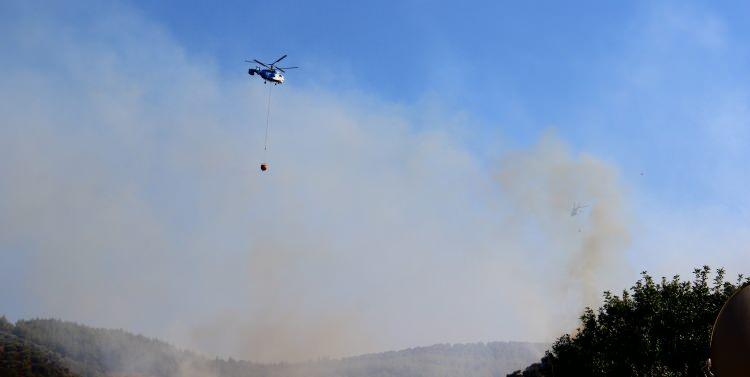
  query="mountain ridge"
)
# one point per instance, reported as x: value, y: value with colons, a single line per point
x: 95, y: 352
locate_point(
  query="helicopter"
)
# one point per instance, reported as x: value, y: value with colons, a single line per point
x: 271, y: 72
x: 577, y: 209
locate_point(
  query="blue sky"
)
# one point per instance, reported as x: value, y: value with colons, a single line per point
x: 424, y: 160
x: 518, y: 67
x: 476, y: 53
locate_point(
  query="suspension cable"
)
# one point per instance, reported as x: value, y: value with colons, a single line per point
x: 268, y: 123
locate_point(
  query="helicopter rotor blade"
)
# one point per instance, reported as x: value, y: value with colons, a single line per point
x: 279, y: 59
x: 259, y: 62
x: 288, y: 67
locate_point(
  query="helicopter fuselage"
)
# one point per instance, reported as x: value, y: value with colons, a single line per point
x: 271, y: 75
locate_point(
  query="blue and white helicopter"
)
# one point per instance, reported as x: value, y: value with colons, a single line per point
x: 271, y: 72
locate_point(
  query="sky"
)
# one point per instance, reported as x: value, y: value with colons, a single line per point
x: 606, y: 76
x: 424, y: 160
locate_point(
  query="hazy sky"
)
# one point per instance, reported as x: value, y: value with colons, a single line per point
x: 424, y: 160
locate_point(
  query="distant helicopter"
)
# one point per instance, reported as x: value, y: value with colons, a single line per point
x: 271, y: 73
x: 577, y: 209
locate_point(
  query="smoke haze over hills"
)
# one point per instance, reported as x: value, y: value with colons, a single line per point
x: 130, y: 198
x: 66, y: 349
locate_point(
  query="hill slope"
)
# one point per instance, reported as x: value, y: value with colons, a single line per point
x: 22, y: 358
x: 92, y: 352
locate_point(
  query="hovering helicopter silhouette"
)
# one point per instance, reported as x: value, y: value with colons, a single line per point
x: 271, y: 72
x: 577, y: 209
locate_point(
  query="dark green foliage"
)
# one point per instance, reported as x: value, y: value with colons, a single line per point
x: 655, y: 329
x: 19, y: 358
x: 5, y: 326
x: 98, y: 352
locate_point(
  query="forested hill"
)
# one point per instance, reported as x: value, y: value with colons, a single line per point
x: 58, y: 348
x: 19, y: 358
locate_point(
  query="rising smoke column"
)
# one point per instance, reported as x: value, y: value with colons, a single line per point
x: 585, y: 252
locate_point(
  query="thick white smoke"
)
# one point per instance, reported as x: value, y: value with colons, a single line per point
x: 130, y: 192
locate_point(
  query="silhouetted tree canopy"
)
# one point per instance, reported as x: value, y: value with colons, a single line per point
x: 654, y: 329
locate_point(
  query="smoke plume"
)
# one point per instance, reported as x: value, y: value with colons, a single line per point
x: 130, y: 197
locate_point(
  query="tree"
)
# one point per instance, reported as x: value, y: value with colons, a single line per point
x: 5, y: 325
x: 653, y: 329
